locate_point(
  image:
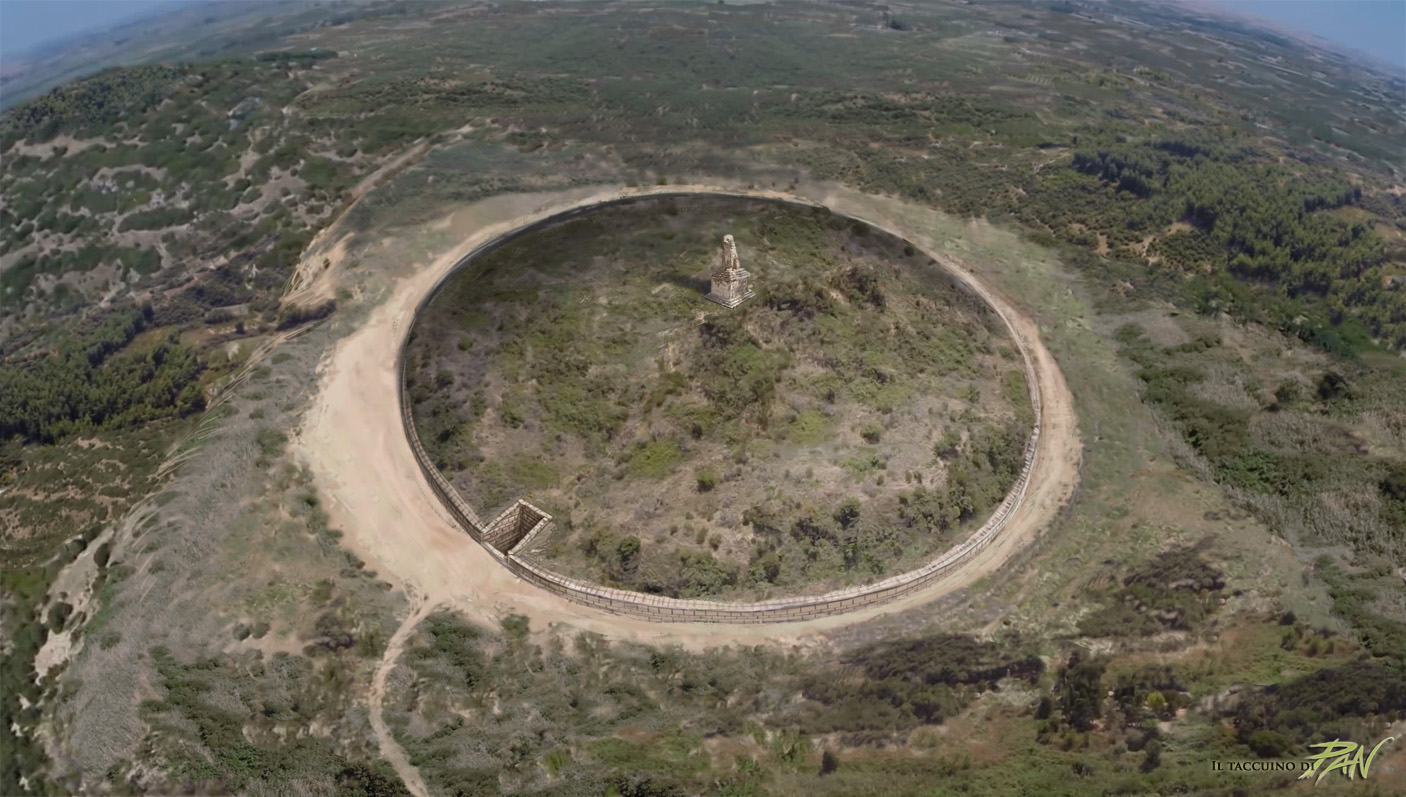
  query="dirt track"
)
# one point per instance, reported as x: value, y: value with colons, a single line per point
x: 353, y: 442
x: 390, y: 749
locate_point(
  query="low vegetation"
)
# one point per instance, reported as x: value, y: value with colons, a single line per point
x: 582, y: 368
x: 1288, y: 443
x: 282, y: 692
x: 481, y: 709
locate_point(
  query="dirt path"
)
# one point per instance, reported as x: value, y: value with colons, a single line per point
x: 353, y: 442
x: 313, y: 280
x: 390, y: 748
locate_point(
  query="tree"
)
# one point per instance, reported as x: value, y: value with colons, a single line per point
x: 1152, y: 756
x: 1044, y: 709
x: 1081, y: 692
x: 628, y: 552
x: 847, y: 513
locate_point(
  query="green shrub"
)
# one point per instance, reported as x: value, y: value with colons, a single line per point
x: 871, y: 432
x: 707, y: 479
x: 654, y: 459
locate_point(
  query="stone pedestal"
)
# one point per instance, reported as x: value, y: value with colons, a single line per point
x: 731, y: 283
x: 730, y: 293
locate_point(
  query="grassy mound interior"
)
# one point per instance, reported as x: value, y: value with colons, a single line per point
x: 858, y: 415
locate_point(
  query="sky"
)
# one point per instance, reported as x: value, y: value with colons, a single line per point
x: 27, y: 23
x: 1374, y: 27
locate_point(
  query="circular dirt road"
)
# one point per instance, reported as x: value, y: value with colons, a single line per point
x: 353, y: 441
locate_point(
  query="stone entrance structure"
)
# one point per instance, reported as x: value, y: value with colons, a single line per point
x: 517, y: 524
x: 730, y: 282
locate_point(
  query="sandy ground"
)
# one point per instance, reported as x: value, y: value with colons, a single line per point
x: 353, y: 442
x: 390, y: 748
x: 45, y: 149
x: 313, y: 281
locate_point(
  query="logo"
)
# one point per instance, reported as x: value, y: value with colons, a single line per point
x: 1346, y: 757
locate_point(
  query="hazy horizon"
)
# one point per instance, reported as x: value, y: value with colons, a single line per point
x: 27, y: 25
x: 1375, y: 28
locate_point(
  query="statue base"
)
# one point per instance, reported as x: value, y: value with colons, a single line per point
x: 729, y: 301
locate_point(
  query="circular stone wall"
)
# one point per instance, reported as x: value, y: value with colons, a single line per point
x: 797, y: 281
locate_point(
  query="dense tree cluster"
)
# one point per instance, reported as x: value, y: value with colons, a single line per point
x: 302, y: 58
x: 913, y: 111
x: 1176, y: 591
x: 900, y: 684
x: 1268, y: 225
x: 1340, y: 703
x: 90, y: 382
